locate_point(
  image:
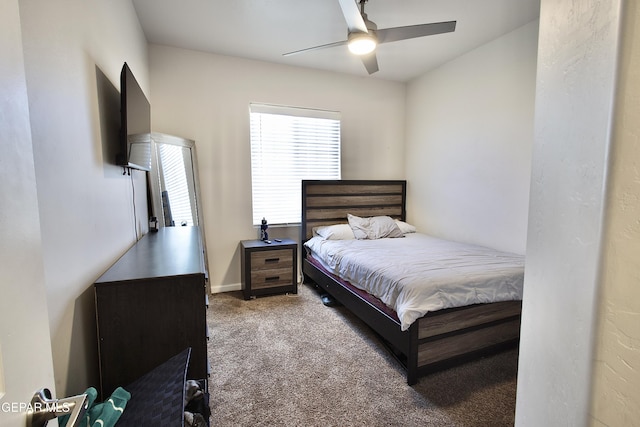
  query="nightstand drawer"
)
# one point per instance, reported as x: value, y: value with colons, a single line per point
x: 271, y: 277
x: 273, y: 259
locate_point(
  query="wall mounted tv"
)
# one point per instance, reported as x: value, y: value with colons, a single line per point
x: 135, y: 128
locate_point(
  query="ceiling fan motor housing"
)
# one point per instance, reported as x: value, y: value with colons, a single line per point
x: 361, y: 43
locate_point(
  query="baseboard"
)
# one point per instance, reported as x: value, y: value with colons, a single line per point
x: 226, y: 288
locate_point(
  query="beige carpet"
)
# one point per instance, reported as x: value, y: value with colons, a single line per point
x: 287, y: 360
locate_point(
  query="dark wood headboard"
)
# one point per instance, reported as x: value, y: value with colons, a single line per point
x: 328, y: 202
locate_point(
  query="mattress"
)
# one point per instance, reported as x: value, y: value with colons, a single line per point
x: 417, y: 274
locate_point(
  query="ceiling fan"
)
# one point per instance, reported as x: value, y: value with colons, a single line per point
x: 363, y: 35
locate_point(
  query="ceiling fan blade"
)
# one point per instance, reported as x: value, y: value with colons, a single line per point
x: 387, y: 35
x: 352, y: 15
x: 370, y: 62
x: 324, y: 46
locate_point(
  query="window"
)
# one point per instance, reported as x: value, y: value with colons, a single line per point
x: 289, y: 145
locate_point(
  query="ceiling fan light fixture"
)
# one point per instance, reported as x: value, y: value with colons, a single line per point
x: 362, y: 43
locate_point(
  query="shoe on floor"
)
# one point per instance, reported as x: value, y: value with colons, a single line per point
x: 328, y: 300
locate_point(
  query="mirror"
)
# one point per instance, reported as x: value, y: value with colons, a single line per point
x: 174, y: 183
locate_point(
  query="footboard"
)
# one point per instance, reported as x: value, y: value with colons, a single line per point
x: 459, y: 333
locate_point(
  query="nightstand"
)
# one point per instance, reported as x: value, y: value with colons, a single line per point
x: 268, y: 268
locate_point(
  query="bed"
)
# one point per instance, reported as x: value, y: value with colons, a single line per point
x: 422, y: 343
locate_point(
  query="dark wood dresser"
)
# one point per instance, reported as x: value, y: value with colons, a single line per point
x: 151, y: 305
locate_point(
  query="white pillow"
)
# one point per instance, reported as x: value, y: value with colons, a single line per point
x: 404, y: 227
x: 376, y: 227
x: 335, y: 232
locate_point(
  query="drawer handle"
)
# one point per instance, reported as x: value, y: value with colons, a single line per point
x: 272, y: 278
x: 272, y: 260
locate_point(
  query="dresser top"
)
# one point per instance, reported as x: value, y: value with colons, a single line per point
x: 171, y: 251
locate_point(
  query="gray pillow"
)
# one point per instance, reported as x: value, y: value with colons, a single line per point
x: 375, y: 227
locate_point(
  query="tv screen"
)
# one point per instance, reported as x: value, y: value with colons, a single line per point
x: 135, y: 130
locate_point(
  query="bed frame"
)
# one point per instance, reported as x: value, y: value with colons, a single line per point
x: 436, y: 340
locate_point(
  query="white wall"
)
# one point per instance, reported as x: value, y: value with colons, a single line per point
x: 469, y: 137
x: 616, y: 391
x: 206, y: 98
x: 577, y: 66
x: 74, y: 51
x: 25, y: 349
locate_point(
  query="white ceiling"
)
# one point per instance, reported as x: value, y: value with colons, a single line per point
x: 265, y: 29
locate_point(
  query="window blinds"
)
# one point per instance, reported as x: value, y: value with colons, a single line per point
x: 289, y: 145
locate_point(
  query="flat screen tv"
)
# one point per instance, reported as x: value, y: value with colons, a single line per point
x: 135, y: 129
